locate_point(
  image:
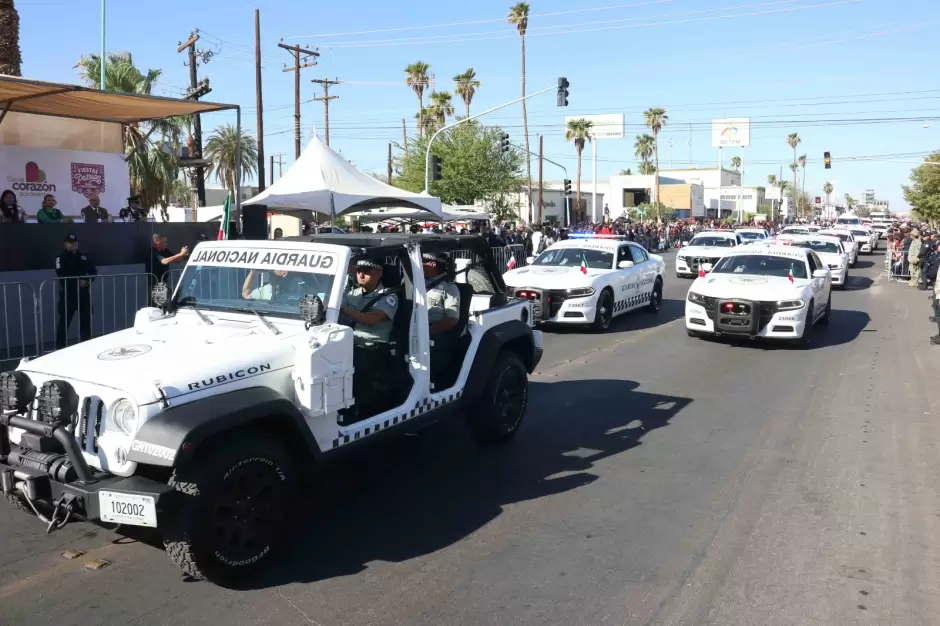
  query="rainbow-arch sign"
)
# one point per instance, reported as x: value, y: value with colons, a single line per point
x: 731, y: 133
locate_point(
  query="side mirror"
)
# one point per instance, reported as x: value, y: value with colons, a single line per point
x: 625, y: 265
x: 707, y: 267
x: 529, y: 260
x: 160, y: 294
x: 820, y: 273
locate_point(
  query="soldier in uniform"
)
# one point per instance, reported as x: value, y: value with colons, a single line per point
x: 443, y: 313
x: 74, y: 291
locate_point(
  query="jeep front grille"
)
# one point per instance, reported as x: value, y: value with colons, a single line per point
x: 89, y: 421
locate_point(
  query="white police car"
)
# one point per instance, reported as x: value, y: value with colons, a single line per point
x: 848, y: 241
x: 866, y: 238
x: 752, y: 235
x: 589, y: 281
x: 705, y: 247
x: 773, y: 292
x: 830, y: 251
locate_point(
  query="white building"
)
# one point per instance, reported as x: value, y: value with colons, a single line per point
x: 553, y: 201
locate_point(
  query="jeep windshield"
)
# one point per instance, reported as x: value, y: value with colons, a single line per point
x: 715, y: 242
x: 574, y: 257
x: 276, y: 288
x: 761, y: 265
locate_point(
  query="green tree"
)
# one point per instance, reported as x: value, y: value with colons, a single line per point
x: 863, y: 211
x: 441, y: 106
x: 578, y: 131
x: 923, y: 194
x: 626, y: 172
x: 793, y: 140
x: 519, y: 17
x: 643, y: 150
x: 416, y: 77
x: 10, y: 58
x: 655, y: 119
x: 827, y: 189
x: 467, y: 85
x: 849, y: 202
x: 222, y: 153
x: 736, y: 163
x: 475, y: 168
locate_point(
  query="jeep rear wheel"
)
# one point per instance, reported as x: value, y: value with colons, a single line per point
x: 497, y: 414
x: 233, y: 511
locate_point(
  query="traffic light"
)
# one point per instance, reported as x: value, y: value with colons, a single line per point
x: 562, y: 92
x: 436, y: 168
x: 504, y: 142
x: 828, y: 160
x: 567, y: 187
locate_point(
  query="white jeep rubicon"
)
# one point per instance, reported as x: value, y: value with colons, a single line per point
x: 201, y: 419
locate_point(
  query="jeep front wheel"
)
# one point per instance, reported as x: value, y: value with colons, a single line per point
x: 233, y: 510
x: 497, y: 414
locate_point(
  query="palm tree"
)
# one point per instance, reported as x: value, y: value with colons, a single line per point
x: 655, y: 119
x: 519, y: 17
x: 441, y: 103
x: 578, y: 131
x: 802, y: 163
x: 626, y: 172
x: 222, y: 153
x: 467, y: 85
x: 416, y: 77
x: 736, y: 163
x: 849, y: 202
x: 772, y: 182
x: 793, y: 140
x: 643, y: 150
x: 827, y: 189
x: 427, y: 120
x: 10, y: 59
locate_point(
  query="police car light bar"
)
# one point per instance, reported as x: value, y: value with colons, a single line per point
x: 593, y: 236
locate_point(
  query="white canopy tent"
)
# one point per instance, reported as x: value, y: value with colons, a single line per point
x: 322, y: 181
x: 450, y: 213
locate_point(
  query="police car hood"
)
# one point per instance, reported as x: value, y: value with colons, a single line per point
x: 551, y: 276
x: 748, y: 287
x: 182, y: 357
x: 704, y: 251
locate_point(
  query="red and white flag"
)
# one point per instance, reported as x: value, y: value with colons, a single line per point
x: 790, y: 274
x: 701, y: 273
x: 583, y: 267
x: 511, y: 264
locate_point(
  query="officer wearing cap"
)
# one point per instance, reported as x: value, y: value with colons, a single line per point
x: 443, y: 296
x: 368, y: 307
x: 133, y: 210
x: 74, y: 270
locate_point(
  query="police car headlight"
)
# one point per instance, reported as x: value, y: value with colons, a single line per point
x: 789, y: 305
x: 697, y: 298
x: 580, y: 292
x: 124, y: 416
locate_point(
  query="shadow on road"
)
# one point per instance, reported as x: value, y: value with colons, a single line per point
x: 863, y: 264
x: 844, y: 326
x: 641, y: 319
x: 424, y: 492
x: 858, y: 283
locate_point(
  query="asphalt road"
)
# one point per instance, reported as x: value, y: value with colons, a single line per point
x: 657, y: 479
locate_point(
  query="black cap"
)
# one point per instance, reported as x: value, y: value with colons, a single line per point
x: 435, y: 257
x: 368, y: 263
x: 70, y: 238
x: 133, y: 199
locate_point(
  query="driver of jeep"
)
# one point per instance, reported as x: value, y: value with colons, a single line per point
x: 368, y: 307
x: 267, y: 291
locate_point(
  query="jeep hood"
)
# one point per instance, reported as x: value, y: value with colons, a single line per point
x: 551, y: 277
x: 182, y: 357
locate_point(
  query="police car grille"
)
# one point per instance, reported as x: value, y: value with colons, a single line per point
x: 711, y: 306
x: 556, y: 297
x: 767, y: 311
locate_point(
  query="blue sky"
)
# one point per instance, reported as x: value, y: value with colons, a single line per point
x: 809, y: 66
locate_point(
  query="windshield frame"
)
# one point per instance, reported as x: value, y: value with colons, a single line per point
x: 720, y: 267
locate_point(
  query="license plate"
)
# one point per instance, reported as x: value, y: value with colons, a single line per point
x: 127, y: 508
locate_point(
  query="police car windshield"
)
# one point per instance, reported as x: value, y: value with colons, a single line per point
x: 794, y: 231
x: 718, y: 242
x: 830, y: 247
x: 749, y: 236
x: 574, y: 257
x: 761, y: 265
x: 860, y: 233
x: 841, y: 236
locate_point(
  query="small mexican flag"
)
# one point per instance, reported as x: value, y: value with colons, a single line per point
x: 226, y: 216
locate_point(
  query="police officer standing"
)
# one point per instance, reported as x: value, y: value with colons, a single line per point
x: 74, y: 270
x: 443, y: 312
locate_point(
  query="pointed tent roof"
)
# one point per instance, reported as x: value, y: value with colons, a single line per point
x: 321, y: 175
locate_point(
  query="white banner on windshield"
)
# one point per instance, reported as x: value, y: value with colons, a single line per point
x: 316, y: 261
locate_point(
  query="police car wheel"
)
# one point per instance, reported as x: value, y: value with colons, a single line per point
x: 498, y: 412
x: 806, y: 338
x: 656, y: 297
x: 825, y: 318
x: 605, y: 312
x: 233, y: 511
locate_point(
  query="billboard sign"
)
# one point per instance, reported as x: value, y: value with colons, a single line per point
x: 607, y: 126
x: 773, y: 193
x: 731, y: 133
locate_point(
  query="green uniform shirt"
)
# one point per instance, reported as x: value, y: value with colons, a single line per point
x: 49, y: 216
x: 356, y: 298
x: 443, y: 302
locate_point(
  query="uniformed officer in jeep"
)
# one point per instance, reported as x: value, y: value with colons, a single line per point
x: 443, y: 315
x: 368, y: 307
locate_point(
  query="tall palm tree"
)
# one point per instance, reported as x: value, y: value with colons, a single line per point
x: 656, y: 118
x: 849, y: 201
x: 802, y: 163
x: 221, y: 152
x: 643, y: 150
x: 578, y: 131
x: 441, y: 103
x: 467, y: 85
x: 416, y: 77
x: 793, y: 140
x: 427, y: 120
x: 772, y: 182
x: 736, y: 163
x: 519, y: 17
x: 827, y: 189
x: 10, y: 59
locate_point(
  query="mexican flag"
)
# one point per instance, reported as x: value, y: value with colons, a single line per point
x: 226, y: 216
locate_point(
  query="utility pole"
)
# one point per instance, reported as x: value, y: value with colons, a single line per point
x: 541, y: 157
x: 404, y: 135
x: 326, y: 82
x: 197, y: 90
x: 280, y: 164
x: 297, y: 52
x: 389, y: 163
x: 259, y: 100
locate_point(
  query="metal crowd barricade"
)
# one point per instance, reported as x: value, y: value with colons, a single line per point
x: 19, y: 328
x: 72, y: 310
x: 898, y: 267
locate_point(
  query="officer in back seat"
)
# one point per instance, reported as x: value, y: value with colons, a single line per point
x: 368, y: 307
x: 443, y: 315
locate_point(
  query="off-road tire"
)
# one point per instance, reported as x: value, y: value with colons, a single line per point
x: 602, y: 321
x: 656, y: 297
x: 210, y: 477
x: 497, y: 414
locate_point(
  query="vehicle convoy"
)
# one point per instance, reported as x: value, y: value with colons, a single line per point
x: 201, y: 419
x: 848, y: 241
x: 830, y: 251
x: 752, y: 235
x: 774, y: 292
x: 589, y: 281
x: 705, y: 247
x: 866, y: 238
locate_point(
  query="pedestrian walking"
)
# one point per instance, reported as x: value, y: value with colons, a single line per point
x: 75, y: 271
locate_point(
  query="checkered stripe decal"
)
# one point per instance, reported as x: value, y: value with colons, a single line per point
x: 423, y: 406
x: 629, y: 303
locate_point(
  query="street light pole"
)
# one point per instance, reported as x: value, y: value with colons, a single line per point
x: 104, y: 86
x: 427, y: 156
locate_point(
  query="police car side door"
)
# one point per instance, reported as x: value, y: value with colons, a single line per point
x: 817, y: 285
x: 644, y: 274
x: 623, y: 281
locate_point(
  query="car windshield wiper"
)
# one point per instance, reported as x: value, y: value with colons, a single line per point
x: 190, y: 302
x: 271, y: 327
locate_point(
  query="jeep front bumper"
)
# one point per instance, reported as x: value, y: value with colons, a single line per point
x: 59, y: 480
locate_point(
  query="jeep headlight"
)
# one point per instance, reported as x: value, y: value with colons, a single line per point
x: 579, y: 292
x: 697, y: 298
x: 124, y: 416
x: 789, y: 305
